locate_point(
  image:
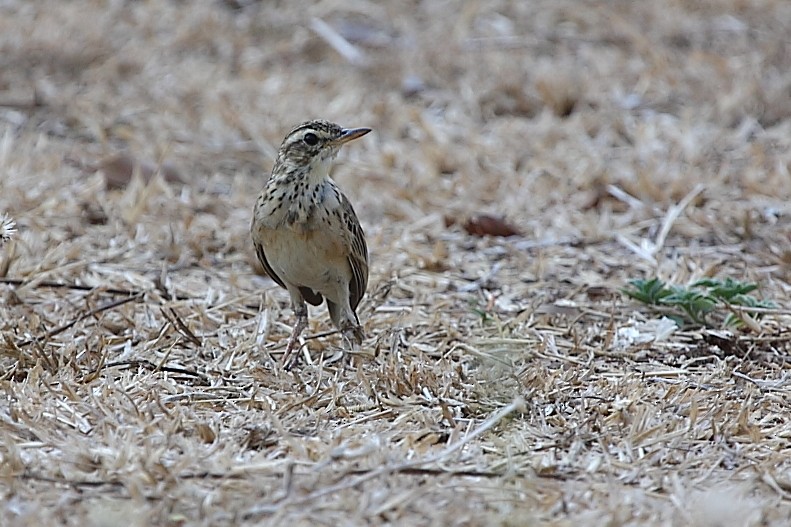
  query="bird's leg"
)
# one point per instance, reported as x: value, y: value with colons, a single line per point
x: 301, y: 311
x: 345, y: 319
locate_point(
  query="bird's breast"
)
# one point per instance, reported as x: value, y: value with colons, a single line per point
x: 299, y: 207
x: 314, y: 258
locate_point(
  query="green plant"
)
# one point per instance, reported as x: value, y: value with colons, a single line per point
x: 696, y: 302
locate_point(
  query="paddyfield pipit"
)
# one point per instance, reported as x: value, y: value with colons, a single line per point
x: 306, y: 233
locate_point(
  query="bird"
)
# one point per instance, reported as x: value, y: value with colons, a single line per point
x: 305, y: 231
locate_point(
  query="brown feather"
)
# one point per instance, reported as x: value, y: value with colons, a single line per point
x: 358, y: 257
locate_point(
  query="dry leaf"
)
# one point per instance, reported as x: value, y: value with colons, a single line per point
x: 486, y: 225
x: 119, y: 169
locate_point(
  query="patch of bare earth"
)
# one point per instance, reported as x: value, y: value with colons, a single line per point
x: 504, y: 380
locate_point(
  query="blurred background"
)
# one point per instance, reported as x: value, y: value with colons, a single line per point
x: 568, y: 118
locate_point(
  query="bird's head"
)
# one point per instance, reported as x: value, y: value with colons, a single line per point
x: 310, y: 147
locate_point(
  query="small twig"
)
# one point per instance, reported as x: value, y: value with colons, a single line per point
x: 70, y: 482
x: 648, y: 249
x: 39, y: 351
x: 75, y: 287
x: 621, y: 195
x: 98, y: 289
x: 180, y: 326
x: 303, y: 402
x: 91, y: 313
x: 345, y: 48
x: 672, y: 214
x: 526, y: 245
x: 151, y: 366
x: 763, y: 339
x: 775, y: 385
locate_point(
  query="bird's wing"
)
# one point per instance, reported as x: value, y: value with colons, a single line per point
x: 358, y: 255
x: 259, y: 250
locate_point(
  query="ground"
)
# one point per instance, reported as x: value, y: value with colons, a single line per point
x: 504, y: 380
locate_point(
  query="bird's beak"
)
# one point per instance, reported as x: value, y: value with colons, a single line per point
x: 348, y: 134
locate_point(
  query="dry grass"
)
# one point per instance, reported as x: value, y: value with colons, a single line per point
x: 505, y: 381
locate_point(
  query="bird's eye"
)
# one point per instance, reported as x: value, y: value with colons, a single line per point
x: 310, y: 139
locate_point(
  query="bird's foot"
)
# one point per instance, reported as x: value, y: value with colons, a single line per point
x: 352, y: 337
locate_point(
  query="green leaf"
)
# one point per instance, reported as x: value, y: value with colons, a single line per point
x: 700, y: 300
x: 727, y: 289
x: 647, y: 291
